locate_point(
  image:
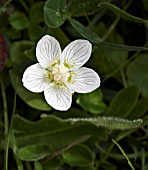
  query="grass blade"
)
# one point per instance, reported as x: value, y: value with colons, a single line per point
x: 129, y: 162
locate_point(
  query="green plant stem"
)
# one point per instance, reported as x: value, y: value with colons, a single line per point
x: 44, y: 30
x: 4, y: 106
x: 5, y: 122
x: 9, y: 134
x: 143, y: 159
x: 111, y: 28
x: 113, y: 25
x: 119, y: 156
x: 24, y: 5
x: 124, y: 154
x: 28, y: 166
x: 15, y: 151
x: 89, y: 22
x: 107, y: 153
x: 6, y: 3
x: 123, y: 78
x: 98, y: 16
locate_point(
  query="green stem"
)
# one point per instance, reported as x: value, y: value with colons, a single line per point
x: 143, y: 159
x: 124, y: 154
x: 9, y: 134
x: 6, y: 3
x: 11, y: 137
x: 89, y: 22
x: 24, y: 5
x: 5, y: 122
x: 111, y: 28
x: 123, y: 78
x: 15, y: 151
x: 113, y: 25
x: 106, y: 154
x: 3, y: 8
x: 119, y: 156
x: 4, y: 106
x: 98, y: 16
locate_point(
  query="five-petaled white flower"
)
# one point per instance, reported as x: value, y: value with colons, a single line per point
x: 59, y: 74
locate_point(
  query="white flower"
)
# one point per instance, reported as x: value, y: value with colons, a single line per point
x: 59, y: 74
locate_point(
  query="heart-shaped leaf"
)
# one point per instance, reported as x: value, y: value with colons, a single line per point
x: 55, y: 12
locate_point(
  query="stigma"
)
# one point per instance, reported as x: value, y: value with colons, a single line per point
x: 59, y: 74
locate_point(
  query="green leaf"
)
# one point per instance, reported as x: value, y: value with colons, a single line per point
x: 40, y: 151
x: 50, y: 130
x: 123, y: 14
x: 19, y: 21
x: 35, y: 32
x: 53, y: 164
x: 38, y: 165
x: 17, y: 49
x: 83, y: 7
x: 37, y: 140
x: 53, y: 129
x: 32, y: 99
x: 93, y: 37
x: 34, y: 152
x: 12, y: 33
x: 123, y: 47
x: 79, y: 155
x: 85, y: 32
x: 107, y: 122
x: 55, y: 12
x: 59, y: 35
x: 51, y: 124
x: 123, y: 102
x: 106, y: 60
x: 137, y: 73
x: 36, y: 12
x: 140, y: 109
x: 47, y: 124
x: 92, y: 102
x: 18, y: 60
x: 30, y: 53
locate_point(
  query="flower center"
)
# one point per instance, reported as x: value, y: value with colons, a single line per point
x: 59, y: 74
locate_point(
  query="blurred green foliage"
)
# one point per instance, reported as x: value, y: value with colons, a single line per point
x: 35, y: 136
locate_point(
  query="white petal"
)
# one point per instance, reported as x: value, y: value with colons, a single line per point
x: 34, y: 78
x: 59, y: 98
x: 76, y: 54
x: 47, y: 49
x: 84, y: 80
